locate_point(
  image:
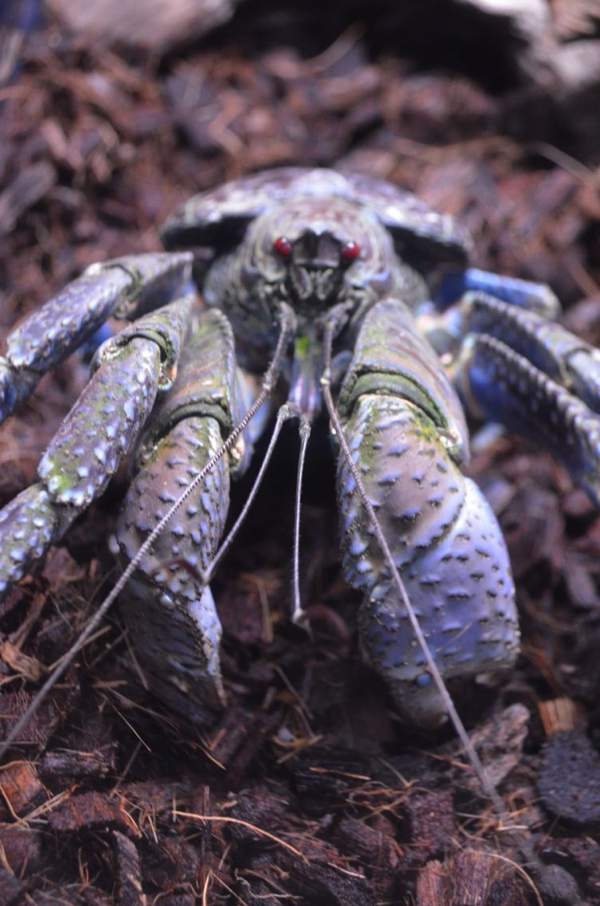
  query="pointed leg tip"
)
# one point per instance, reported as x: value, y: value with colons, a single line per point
x: 425, y: 708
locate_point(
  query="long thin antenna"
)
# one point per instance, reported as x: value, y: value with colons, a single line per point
x: 284, y: 413
x: 305, y: 429
x: 270, y: 378
x: 486, y: 783
x: 287, y: 411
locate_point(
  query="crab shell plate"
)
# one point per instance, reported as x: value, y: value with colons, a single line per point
x: 219, y: 217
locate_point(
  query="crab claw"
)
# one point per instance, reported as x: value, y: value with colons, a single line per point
x: 447, y: 544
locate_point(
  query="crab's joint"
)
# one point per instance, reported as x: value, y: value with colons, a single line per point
x: 166, y: 327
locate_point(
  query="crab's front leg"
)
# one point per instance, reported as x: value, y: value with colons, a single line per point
x: 125, y: 288
x: 168, y: 604
x: 406, y: 433
x: 99, y: 431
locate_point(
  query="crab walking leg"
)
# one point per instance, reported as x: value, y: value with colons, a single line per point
x: 536, y: 297
x: 124, y: 288
x: 170, y: 613
x: 558, y: 353
x: 501, y: 385
x: 406, y: 434
x: 176, y: 630
x: 513, y: 366
x: 98, y: 432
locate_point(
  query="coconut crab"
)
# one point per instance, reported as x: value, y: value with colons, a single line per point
x: 343, y: 291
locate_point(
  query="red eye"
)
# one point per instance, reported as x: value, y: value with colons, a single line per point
x: 349, y: 252
x: 283, y: 246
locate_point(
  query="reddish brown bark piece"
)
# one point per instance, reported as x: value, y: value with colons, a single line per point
x: 22, y: 849
x: 30, y: 185
x: 365, y: 845
x: 21, y: 788
x: 317, y: 882
x: 432, y: 823
x: 170, y: 862
x: 65, y: 763
x: 499, y: 744
x: 128, y: 872
x: 48, y: 716
x: 158, y: 797
x: 91, y: 811
x: 471, y: 877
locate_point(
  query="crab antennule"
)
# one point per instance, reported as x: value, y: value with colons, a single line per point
x: 305, y: 430
x: 284, y: 413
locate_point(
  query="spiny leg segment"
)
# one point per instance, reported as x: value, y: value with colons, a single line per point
x: 125, y: 288
x: 101, y: 428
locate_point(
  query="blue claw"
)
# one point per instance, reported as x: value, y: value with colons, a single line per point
x: 523, y: 293
x: 88, y: 348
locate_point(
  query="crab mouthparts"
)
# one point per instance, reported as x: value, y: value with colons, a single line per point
x: 305, y: 377
x: 313, y: 287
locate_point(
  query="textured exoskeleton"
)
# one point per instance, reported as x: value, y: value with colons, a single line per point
x: 419, y: 338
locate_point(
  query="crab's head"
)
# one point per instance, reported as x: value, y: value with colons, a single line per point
x: 310, y: 253
x: 314, y: 253
x: 315, y: 267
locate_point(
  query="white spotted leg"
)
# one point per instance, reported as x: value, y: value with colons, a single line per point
x: 167, y: 602
x: 406, y: 439
x: 130, y: 370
